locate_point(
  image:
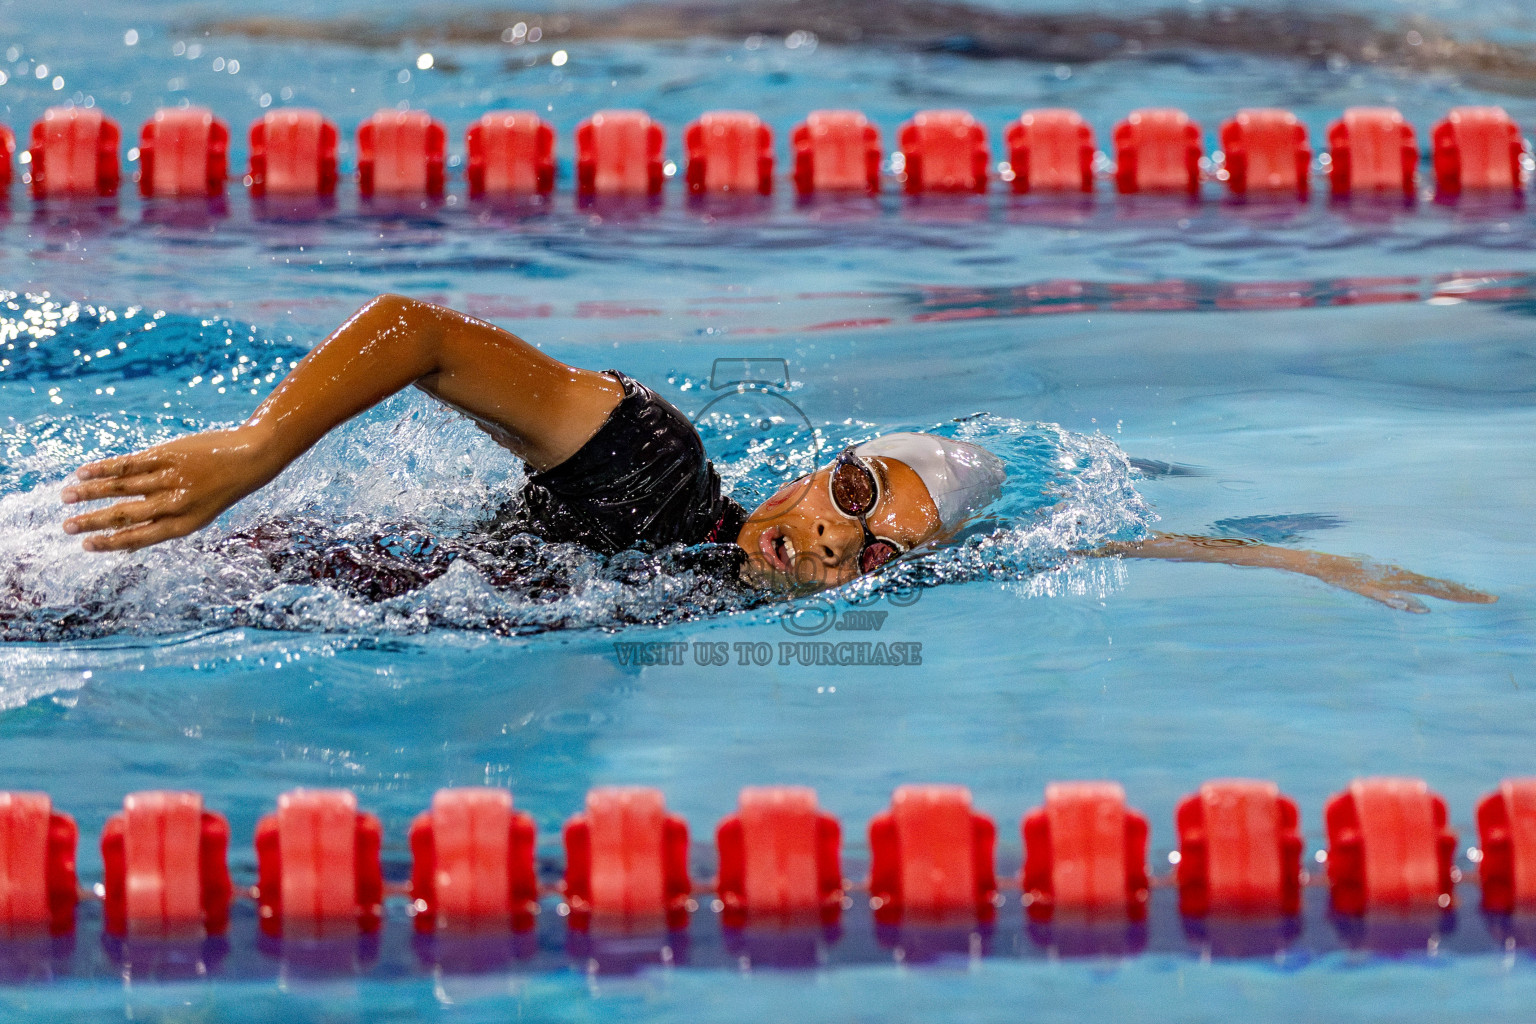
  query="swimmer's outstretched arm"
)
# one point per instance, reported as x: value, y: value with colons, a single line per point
x: 1385, y: 583
x: 540, y: 408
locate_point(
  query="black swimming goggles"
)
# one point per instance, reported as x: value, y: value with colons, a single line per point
x: 855, y: 490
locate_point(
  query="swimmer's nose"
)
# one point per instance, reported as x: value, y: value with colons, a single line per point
x: 837, y: 542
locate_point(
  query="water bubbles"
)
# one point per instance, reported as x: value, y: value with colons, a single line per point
x: 131, y: 37
x: 424, y: 62
x: 559, y: 58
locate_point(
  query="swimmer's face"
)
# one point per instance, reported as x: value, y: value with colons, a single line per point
x: 800, y: 537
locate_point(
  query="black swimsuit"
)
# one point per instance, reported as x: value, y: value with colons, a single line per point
x: 641, y: 481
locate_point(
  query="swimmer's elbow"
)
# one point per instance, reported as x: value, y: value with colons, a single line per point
x: 392, y: 306
x: 420, y: 326
x: 418, y: 314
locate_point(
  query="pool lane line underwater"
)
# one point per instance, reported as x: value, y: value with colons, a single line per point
x: 1239, y: 874
x: 620, y: 155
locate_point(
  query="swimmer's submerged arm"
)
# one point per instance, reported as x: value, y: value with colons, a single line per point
x: 1385, y: 583
x: 541, y: 408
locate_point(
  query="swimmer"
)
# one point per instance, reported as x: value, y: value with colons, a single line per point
x: 614, y: 466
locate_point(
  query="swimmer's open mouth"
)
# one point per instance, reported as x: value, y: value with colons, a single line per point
x: 776, y: 548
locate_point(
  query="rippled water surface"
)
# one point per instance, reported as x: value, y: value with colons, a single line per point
x: 1357, y: 379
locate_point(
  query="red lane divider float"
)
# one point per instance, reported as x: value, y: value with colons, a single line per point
x: 1239, y: 851
x: 1389, y: 847
x: 293, y: 153
x: 619, y: 153
x: 1266, y: 152
x: 1477, y: 149
x: 401, y: 153
x: 38, y: 889
x: 7, y: 154
x: 626, y: 861
x: 836, y: 151
x: 510, y: 153
x: 472, y: 863
x: 318, y: 867
x: 74, y: 153
x: 183, y: 153
x: 780, y: 859
x: 1506, y: 827
x: 1372, y: 150
x: 1085, y: 853
x: 1157, y: 150
x: 1050, y: 151
x: 931, y: 858
x: 166, y: 868
x: 944, y: 151
x: 729, y: 151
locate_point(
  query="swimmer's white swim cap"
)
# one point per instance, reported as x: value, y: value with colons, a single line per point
x: 962, y: 478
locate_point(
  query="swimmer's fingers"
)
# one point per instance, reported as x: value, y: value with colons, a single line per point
x: 95, y: 488
x: 142, y: 536
x: 1445, y: 590
x: 1397, y: 593
x: 1378, y: 591
x: 117, y: 517
x: 1394, y: 599
x: 120, y: 465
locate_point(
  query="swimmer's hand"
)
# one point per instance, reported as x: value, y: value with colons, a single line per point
x: 171, y: 490
x: 1388, y: 584
x: 538, y: 407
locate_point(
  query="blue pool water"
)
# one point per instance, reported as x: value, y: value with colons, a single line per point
x: 1359, y: 380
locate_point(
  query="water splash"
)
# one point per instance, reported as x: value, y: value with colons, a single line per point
x: 388, y: 525
x: 1066, y: 493
x: 46, y: 339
